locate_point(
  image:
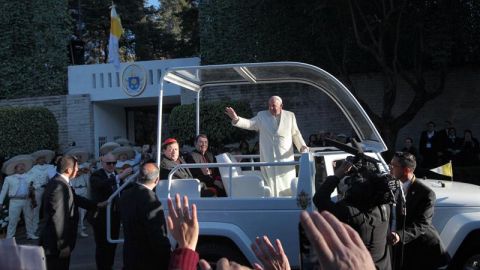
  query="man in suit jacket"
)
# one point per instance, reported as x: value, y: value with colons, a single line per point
x: 60, y: 210
x: 210, y: 177
x: 429, y: 146
x: 103, y: 183
x: 363, y: 208
x: 146, y: 244
x: 278, y: 133
x: 422, y: 247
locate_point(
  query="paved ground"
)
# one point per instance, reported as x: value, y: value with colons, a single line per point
x: 83, y: 256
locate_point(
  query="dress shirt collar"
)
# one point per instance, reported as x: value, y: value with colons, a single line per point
x: 64, y: 178
x: 109, y: 174
x: 406, y: 185
x: 147, y: 187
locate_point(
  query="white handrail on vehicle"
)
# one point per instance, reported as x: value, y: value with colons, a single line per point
x: 129, y: 179
x: 230, y: 165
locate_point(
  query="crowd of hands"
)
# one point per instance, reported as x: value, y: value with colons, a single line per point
x: 336, y: 244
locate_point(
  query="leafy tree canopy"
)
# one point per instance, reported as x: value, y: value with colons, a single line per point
x: 403, y: 40
x: 169, y: 31
x: 33, y: 50
x: 212, y: 119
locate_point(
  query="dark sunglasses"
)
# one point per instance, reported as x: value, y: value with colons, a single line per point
x: 111, y: 162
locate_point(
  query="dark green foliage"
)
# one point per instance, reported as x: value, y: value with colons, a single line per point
x: 33, y: 48
x: 213, y: 122
x: 170, y: 31
x: 405, y: 41
x: 25, y: 130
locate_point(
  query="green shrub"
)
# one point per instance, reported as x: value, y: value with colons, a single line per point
x: 25, y: 130
x: 213, y: 122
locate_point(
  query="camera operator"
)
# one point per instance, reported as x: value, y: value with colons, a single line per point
x: 363, y: 207
x: 415, y: 236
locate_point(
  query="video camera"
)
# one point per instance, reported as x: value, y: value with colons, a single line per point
x: 364, y: 185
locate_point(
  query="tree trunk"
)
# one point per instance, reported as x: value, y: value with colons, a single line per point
x: 389, y: 134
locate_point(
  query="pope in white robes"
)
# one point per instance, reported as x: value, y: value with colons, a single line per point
x: 278, y: 132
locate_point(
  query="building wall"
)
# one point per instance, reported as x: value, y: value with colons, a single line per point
x: 110, y: 123
x: 104, y: 83
x: 73, y: 114
x: 314, y: 111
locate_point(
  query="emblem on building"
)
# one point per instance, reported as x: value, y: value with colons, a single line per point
x: 134, y: 80
x: 303, y: 200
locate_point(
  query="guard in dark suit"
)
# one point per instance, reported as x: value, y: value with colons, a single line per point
x: 429, y: 146
x: 362, y: 211
x: 146, y: 244
x: 103, y: 183
x: 417, y: 244
x: 61, y: 212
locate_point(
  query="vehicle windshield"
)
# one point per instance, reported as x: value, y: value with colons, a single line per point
x: 201, y: 77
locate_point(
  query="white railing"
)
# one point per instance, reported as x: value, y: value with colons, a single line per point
x: 129, y: 179
x: 230, y: 166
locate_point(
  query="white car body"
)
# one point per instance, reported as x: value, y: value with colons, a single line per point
x: 232, y: 223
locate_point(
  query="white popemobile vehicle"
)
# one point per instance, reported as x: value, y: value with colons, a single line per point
x: 229, y: 225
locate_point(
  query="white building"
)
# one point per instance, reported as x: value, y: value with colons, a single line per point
x: 124, y: 103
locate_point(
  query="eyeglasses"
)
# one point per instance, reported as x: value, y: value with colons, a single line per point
x: 110, y: 162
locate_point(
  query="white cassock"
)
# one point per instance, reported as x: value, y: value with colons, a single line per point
x: 276, y: 145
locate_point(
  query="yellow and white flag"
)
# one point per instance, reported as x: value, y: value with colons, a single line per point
x: 445, y: 169
x: 116, y: 32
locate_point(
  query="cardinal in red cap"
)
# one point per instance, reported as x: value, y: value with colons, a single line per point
x: 169, y: 141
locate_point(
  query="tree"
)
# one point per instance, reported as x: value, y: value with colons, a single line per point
x: 34, y: 48
x: 20, y: 125
x: 52, y: 25
x: 169, y: 31
x: 415, y: 42
x: 212, y: 122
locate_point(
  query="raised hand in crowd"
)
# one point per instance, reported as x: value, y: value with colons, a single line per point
x: 102, y: 204
x: 126, y: 172
x: 183, y: 225
x: 272, y: 258
x: 184, y: 228
x: 338, y: 245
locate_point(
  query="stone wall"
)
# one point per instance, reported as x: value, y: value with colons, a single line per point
x: 73, y: 114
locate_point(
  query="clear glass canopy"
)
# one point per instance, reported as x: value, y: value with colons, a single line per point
x: 199, y: 77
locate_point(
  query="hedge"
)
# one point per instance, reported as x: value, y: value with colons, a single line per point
x: 25, y: 130
x: 213, y: 122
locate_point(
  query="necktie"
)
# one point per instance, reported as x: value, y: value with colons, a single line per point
x: 117, y: 184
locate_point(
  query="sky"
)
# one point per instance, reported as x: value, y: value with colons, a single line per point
x: 155, y: 3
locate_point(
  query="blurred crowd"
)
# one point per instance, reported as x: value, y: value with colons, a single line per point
x: 439, y: 146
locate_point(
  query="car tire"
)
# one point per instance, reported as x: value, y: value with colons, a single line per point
x: 468, y: 259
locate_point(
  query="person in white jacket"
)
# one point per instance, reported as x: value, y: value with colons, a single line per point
x: 16, y: 186
x: 38, y: 175
x: 278, y: 133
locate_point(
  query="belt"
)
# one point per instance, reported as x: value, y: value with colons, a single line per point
x: 18, y: 197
